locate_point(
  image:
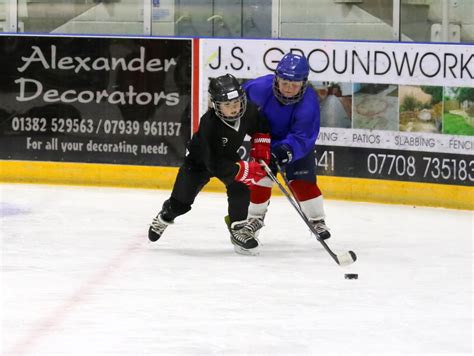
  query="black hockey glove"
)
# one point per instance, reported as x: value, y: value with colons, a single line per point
x: 282, y: 154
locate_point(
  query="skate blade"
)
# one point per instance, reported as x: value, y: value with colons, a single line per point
x: 246, y: 252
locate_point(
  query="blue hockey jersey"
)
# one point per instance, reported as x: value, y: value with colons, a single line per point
x: 295, y: 125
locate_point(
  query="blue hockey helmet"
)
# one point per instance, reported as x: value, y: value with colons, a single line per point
x: 295, y: 68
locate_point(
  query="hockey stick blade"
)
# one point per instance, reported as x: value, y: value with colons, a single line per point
x: 347, y: 258
x: 342, y: 260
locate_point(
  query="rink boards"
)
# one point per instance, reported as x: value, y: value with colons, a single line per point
x: 357, y: 189
x: 114, y: 111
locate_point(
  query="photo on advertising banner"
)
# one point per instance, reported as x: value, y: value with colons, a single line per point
x: 336, y: 103
x: 375, y: 107
x: 421, y: 108
x: 458, y: 115
x: 95, y: 100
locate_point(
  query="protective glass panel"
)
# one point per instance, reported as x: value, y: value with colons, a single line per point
x: 82, y: 16
x: 213, y: 18
x: 3, y: 16
x: 336, y: 19
x: 437, y: 20
x: 164, y: 20
x: 421, y: 20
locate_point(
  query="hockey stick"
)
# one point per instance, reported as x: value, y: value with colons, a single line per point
x: 343, y: 260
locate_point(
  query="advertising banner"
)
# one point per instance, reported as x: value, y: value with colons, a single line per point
x: 396, y: 111
x: 95, y: 99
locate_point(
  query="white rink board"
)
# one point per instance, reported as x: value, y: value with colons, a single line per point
x: 345, y: 61
x: 340, y: 61
x: 369, y: 62
x: 396, y: 140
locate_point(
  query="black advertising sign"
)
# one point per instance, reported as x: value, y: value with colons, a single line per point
x: 95, y: 99
x: 394, y: 155
x: 401, y: 165
x: 387, y: 164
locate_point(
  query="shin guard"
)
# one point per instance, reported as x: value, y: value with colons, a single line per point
x: 260, y: 194
x: 310, y: 198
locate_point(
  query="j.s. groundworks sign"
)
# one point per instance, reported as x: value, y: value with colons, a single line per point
x: 100, y: 100
x: 392, y: 111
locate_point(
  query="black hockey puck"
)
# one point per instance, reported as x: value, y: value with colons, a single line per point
x: 351, y: 276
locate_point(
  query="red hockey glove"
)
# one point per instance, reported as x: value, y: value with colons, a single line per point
x: 260, y: 149
x: 249, y: 172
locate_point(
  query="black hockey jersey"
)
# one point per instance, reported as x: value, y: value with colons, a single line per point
x: 214, y: 146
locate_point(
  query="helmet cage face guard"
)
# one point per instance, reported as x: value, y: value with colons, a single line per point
x: 295, y: 68
x: 216, y: 104
x: 284, y: 99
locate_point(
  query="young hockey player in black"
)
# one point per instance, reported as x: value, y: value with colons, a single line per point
x: 212, y: 152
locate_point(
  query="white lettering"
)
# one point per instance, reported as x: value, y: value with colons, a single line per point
x: 22, y: 82
x: 87, y: 64
x: 36, y: 56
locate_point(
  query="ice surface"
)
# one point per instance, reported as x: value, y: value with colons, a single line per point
x: 79, y: 277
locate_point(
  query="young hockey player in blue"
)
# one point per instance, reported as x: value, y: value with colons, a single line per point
x: 292, y: 109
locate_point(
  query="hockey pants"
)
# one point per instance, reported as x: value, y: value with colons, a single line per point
x: 302, y: 177
x: 190, y: 181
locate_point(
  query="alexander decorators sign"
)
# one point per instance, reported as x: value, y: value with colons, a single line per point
x: 105, y: 100
x: 399, y: 111
x: 30, y: 89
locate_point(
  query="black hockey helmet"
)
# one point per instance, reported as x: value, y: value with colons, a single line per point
x: 223, y: 89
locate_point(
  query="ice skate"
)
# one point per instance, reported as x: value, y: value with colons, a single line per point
x: 157, y: 227
x: 321, y: 228
x: 242, y: 237
x: 255, y: 224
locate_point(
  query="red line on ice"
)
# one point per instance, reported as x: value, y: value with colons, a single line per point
x: 46, y: 324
